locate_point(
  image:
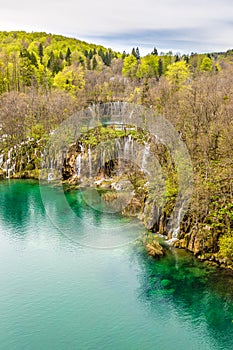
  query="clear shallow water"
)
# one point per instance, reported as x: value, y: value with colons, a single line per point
x: 58, y: 294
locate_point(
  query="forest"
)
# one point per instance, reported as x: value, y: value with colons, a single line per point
x: 45, y: 78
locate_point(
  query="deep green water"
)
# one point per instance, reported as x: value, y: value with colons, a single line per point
x: 58, y: 294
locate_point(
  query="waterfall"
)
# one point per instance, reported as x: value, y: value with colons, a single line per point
x: 8, y: 164
x: 50, y: 174
x: 145, y: 155
x: 90, y: 160
x: 128, y: 148
x: 78, y: 164
x: 118, y: 148
x: 8, y: 173
x: 28, y: 158
x: 1, y: 160
x: 117, y: 156
x: 132, y: 148
x: 177, y: 229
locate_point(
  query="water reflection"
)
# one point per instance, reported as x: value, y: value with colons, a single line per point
x: 19, y: 202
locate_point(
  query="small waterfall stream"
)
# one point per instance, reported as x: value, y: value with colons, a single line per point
x: 90, y: 160
x: 78, y: 164
x: 8, y: 164
x: 50, y: 174
x: 145, y: 155
x: 177, y: 229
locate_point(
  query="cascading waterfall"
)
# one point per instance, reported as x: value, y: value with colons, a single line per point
x: 78, y: 164
x: 177, y: 229
x: 8, y: 164
x: 1, y: 160
x: 79, y: 160
x: 90, y: 160
x: 128, y: 147
x: 145, y: 155
x: 50, y: 174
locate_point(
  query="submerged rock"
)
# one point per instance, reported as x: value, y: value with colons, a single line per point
x: 155, y: 249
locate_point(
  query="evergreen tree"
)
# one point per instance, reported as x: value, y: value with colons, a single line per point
x: 94, y: 63
x: 50, y: 61
x: 154, y: 52
x: 160, y: 67
x: 124, y: 55
x: 33, y: 59
x: 41, y: 52
x: 137, y: 54
x: 107, y: 59
x: 54, y: 64
x: 68, y: 57
x: 101, y: 53
x: 186, y: 58
x: 133, y: 52
x: 85, y: 53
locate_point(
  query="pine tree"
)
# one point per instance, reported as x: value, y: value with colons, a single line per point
x: 33, y: 59
x: 137, y: 54
x: 41, y: 52
x: 94, y: 63
x: 134, y: 52
x: 186, y: 58
x: 68, y: 57
x: 101, y: 53
x: 50, y: 60
x: 160, y: 67
x: 54, y: 64
x: 154, y: 52
x: 124, y: 55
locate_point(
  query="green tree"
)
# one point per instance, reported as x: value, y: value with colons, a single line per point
x: 68, y: 56
x: 154, y: 52
x: 94, y: 63
x: 54, y: 63
x: 177, y: 74
x: 27, y: 69
x: 160, y: 67
x: 70, y: 79
x: 148, y: 67
x: 137, y: 53
x: 226, y: 246
x: 130, y: 66
x: 206, y: 65
x: 134, y: 52
x: 41, y: 52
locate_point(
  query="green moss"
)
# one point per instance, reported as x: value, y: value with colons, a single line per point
x: 226, y: 246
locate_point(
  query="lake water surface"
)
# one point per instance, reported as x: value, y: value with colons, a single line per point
x: 58, y: 294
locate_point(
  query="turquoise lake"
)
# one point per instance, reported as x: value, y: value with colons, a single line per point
x: 61, y: 291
